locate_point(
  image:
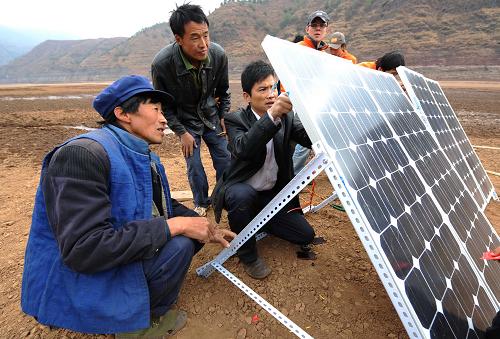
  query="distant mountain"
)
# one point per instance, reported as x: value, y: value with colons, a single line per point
x: 428, y: 32
x: 16, y: 42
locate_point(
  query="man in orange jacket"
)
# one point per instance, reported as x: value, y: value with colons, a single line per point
x: 387, y: 63
x: 316, y: 30
x: 338, y: 47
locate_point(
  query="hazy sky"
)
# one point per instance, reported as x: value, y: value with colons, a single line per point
x: 91, y: 18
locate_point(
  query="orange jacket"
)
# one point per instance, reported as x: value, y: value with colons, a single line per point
x: 321, y: 46
x: 345, y: 55
x: 368, y: 64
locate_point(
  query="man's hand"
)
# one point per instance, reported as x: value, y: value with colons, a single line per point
x: 223, y: 237
x: 188, y: 144
x: 198, y: 228
x: 223, y: 126
x: 281, y: 106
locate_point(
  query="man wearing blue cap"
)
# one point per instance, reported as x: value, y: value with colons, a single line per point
x: 194, y: 70
x: 108, y: 248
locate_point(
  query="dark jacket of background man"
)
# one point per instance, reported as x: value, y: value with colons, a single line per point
x: 194, y: 107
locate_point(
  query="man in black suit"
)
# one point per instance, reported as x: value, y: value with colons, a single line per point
x: 260, y: 141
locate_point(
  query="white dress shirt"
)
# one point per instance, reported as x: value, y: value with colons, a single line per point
x: 266, y: 177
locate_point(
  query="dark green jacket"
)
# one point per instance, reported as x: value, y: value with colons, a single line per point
x: 193, y: 108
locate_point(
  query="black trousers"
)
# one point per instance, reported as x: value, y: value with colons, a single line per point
x: 243, y: 203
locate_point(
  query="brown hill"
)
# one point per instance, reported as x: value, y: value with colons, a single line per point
x: 428, y: 32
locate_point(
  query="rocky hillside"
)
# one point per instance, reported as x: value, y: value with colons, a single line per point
x: 429, y: 32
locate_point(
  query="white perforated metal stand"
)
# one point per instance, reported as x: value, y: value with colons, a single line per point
x: 262, y: 302
x: 301, y: 180
x: 308, y: 173
x: 315, y: 208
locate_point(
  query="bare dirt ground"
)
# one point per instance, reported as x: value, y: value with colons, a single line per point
x: 338, y: 295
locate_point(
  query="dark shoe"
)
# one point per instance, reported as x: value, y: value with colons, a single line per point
x: 167, y: 325
x: 306, y: 253
x: 257, y: 269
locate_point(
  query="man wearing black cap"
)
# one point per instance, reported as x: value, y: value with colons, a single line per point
x: 316, y: 30
x: 194, y: 70
x: 108, y: 248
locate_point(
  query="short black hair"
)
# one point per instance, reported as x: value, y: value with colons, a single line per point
x: 183, y: 15
x: 390, y: 61
x: 255, y: 72
x: 131, y: 105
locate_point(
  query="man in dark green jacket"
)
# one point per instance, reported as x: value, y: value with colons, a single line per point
x: 260, y: 141
x: 194, y: 71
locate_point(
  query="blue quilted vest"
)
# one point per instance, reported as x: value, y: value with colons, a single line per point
x: 112, y: 301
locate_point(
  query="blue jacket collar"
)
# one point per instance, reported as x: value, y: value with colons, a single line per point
x: 128, y: 140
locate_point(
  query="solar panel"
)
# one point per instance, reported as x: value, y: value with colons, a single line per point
x: 419, y: 223
x: 429, y: 98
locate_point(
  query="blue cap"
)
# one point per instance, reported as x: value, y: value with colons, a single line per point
x: 122, y: 90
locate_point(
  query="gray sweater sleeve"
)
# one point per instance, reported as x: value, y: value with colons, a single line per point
x: 75, y: 190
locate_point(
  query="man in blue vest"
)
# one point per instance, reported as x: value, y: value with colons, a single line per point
x: 108, y: 248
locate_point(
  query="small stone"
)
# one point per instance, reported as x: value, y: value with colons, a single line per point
x: 372, y: 294
x: 347, y: 333
x: 242, y: 333
x: 211, y: 309
x: 219, y: 324
x: 337, y: 295
x: 241, y: 301
x: 285, y: 312
x: 391, y: 335
x: 335, y: 312
x: 248, y: 320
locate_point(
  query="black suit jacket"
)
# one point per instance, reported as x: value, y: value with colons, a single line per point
x: 247, y: 143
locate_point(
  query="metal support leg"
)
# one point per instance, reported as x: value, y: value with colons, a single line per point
x: 263, y: 303
x: 308, y: 173
x: 315, y: 208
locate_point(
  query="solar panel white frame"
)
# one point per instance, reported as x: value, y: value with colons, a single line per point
x: 440, y: 118
x: 307, y: 74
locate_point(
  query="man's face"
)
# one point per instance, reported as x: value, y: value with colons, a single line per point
x: 148, y: 123
x: 317, y: 29
x: 263, y: 95
x: 195, y: 41
x: 335, y: 51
